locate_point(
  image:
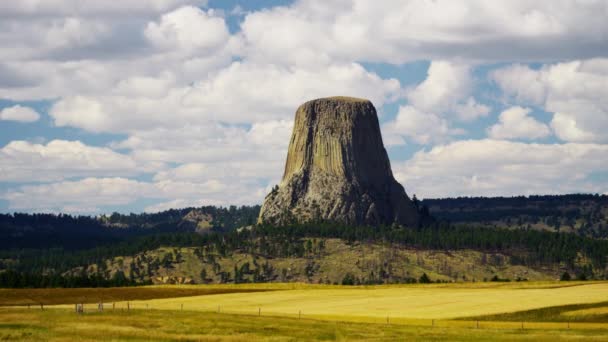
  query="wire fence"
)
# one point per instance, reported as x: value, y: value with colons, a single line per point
x: 105, y: 307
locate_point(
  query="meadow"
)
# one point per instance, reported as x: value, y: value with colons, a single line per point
x: 462, y: 311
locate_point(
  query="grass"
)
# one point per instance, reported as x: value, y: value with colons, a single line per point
x: 284, y: 312
x: 339, y: 258
x: 373, y: 304
x: 141, y: 325
x: 592, y: 313
x: 114, y: 294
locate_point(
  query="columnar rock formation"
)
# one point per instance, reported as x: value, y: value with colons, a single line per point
x: 337, y: 170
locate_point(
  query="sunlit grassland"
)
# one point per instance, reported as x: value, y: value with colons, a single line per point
x: 140, y: 325
x: 375, y: 303
x: 591, y: 313
x: 115, y: 294
x: 461, y: 311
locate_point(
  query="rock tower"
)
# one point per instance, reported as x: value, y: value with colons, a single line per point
x: 337, y: 170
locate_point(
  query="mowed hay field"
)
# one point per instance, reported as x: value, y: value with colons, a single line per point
x: 438, y: 301
x: 466, y: 311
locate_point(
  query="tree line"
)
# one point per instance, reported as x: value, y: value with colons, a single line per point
x: 525, y: 247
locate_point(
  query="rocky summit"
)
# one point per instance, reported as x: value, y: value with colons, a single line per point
x: 337, y: 170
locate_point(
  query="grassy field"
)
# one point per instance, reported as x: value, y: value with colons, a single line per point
x: 146, y: 325
x: 465, y: 311
x: 333, y: 262
x: 116, y: 294
x: 373, y: 304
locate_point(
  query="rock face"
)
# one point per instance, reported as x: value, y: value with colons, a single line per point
x: 337, y: 170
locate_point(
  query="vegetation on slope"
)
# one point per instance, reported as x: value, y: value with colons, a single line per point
x: 253, y: 248
x: 584, y: 214
x: 149, y: 325
x: 590, y: 313
x: 44, y: 231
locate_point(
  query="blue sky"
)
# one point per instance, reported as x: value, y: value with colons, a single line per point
x: 144, y: 106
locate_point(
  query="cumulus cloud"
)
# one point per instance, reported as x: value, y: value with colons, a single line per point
x: 319, y: 30
x: 217, y: 106
x: 19, y: 113
x: 188, y: 28
x: 422, y: 128
x: 447, y: 89
x: 95, y: 195
x: 242, y: 93
x: 90, y: 7
x: 498, y: 167
x: 576, y: 92
x: 444, y: 97
x: 60, y: 159
x: 514, y: 123
x: 86, y: 195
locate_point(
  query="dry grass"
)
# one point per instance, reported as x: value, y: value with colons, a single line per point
x: 115, y: 294
x: 385, y: 313
x: 155, y: 325
x: 399, y: 302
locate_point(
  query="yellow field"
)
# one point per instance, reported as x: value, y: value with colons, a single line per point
x: 437, y: 311
x: 406, y: 302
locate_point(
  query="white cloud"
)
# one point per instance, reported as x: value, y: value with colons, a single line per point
x: 247, y: 92
x: 19, y: 113
x: 447, y: 90
x: 446, y: 83
x: 515, y: 123
x: 576, y: 92
x: 398, y: 31
x: 188, y: 28
x: 78, y: 196
x: 443, y: 98
x: 59, y: 159
x: 242, y: 93
x: 566, y: 128
x: 95, y: 195
x: 80, y: 111
x: 498, y: 167
x: 471, y: 110
x: 90, y: 7
x: 422, y: 128
x: 217, y: 106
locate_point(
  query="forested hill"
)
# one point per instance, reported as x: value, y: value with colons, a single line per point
x: 584, y: 214
x: 41, y: 231
x: 204, y: 245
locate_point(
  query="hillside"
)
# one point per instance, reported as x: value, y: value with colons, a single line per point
x: 472, y: 239
x: 586, y: 215
x: 43, y: 231
x: 315, y: 253
x: 327, y: 261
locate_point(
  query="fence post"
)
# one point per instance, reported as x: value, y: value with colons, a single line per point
x: 41, y: 306
x: 259, y: 311
x: 113, y: 304
x: 182, y: 307
x: 387, y: 319
x: 522, y: 325
x: 128, y: 306
x: 300, y: 314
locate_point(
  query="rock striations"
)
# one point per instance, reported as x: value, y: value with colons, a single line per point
x: 337, y: 170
